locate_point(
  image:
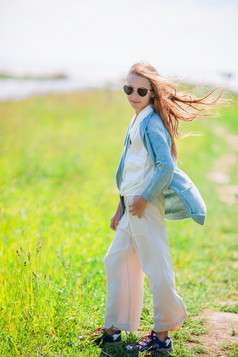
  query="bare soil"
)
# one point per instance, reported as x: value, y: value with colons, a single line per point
x: 222, y: 327
x: 220, y: 174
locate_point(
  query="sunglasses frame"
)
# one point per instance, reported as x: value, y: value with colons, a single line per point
x: 133, y: 90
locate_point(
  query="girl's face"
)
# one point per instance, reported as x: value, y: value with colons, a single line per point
x: 136, y: 101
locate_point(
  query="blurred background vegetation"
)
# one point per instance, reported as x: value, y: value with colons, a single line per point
x: 59, y: 154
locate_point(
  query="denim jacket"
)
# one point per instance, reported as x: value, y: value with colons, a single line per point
x: 181, y: 196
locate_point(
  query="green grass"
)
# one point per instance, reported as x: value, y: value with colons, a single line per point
x: 230, y: 349
x: 59, y: 155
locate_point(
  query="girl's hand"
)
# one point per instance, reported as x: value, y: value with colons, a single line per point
x: 116, y: 218
x: 138, y: 206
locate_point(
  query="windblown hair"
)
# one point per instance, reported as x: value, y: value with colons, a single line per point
x: 172, y: 104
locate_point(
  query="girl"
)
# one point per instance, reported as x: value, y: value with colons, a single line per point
x: 151, y: 188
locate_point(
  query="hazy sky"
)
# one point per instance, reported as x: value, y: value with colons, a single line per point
x: 106, y: 35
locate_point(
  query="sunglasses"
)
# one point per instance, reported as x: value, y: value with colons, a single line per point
x: 141, y: 91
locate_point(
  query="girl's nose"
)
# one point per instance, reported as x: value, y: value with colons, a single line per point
x: 134, y: 94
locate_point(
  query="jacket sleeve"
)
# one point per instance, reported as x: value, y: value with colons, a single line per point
x: 158, y: 145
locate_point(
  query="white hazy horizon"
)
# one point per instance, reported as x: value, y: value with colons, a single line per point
x: 101, y: 39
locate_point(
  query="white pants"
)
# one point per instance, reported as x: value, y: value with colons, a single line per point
x: 140, y: 246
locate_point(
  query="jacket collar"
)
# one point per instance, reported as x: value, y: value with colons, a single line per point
x: 146, y: 113
x: 144, y: 123
x: 143, y: 114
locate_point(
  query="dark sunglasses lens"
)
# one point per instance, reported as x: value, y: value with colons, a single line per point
x: 128, y: 90
x: 142, y: 91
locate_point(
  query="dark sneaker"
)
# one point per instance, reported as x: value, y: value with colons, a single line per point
x: 151, y: 343
x: 100, y: 336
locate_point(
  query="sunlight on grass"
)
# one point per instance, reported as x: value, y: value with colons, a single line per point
x: 59, y: 155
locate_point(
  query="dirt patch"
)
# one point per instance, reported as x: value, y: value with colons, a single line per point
x: 218, y: 176
x: 223, y: 328
x: 221, y: 170
x: 232, y: 140
x: 228, y: 193
x: 228, y: 302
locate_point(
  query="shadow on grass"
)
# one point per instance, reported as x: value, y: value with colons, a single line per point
x: 120, y: 351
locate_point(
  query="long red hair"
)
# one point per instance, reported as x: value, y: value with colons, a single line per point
x: 173, y: 105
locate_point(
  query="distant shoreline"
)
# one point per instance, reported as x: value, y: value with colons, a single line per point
x: 5, y: 75
x: 19, y: 87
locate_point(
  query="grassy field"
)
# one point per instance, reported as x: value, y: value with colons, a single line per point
x: 59, y: 155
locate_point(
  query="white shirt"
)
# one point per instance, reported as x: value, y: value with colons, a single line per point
x: 138, y: 166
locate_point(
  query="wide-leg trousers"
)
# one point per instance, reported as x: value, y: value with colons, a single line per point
x: 140, y: 246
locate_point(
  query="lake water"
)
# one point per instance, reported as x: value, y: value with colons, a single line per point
x: 17, y: 89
